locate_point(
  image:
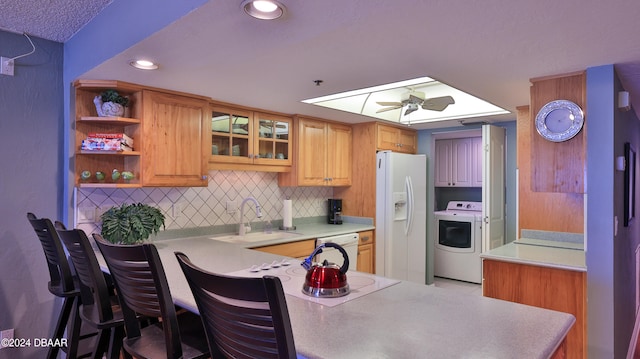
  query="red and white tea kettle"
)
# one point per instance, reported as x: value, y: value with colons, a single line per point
x: 326, y: 280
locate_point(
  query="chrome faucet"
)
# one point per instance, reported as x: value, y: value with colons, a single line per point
x: 242, y: 229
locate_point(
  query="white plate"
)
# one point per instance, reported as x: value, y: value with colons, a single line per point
x: 559, y: 120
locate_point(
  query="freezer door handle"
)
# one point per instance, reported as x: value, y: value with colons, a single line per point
x: 409, y: 189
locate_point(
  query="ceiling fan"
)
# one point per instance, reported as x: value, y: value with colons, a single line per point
x: 416, y: 99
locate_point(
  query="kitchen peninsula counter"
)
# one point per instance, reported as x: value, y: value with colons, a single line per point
x: 544, y: 273
x: 543, y: 253
x: 400, y: 321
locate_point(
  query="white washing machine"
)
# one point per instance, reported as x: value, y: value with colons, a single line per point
x: 458, y: 242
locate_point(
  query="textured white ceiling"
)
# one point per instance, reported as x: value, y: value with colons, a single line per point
x: 55, y: 20
x: 487, y: 48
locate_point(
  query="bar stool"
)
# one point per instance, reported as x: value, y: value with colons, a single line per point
x: 62, y: 285
x: 243, y: 317
x: 143, y: 289
x: 99, y: 309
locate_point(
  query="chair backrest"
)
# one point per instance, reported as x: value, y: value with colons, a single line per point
x: 59, y: 270
x: 243, y: 317
x: 142, y: 288
x: 94, y: 285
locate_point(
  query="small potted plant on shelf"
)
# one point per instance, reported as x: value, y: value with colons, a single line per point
x: 110, y: 103
x: 131, y: 223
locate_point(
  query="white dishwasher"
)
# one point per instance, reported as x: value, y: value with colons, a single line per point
x: 347, y: 241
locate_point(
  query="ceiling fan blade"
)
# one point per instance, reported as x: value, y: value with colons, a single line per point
x: 438, y: 103
x: 385, y: 109
x: 386, y: 103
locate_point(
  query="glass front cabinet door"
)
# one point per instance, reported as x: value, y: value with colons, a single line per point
x: 230, y: 135
x: 272, y: 140
x: 246, y: 137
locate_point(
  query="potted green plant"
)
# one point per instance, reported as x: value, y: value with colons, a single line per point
x: 131, y: 223
x: 110, y: 103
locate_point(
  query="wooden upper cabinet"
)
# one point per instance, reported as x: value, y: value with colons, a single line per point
x: 408, y: 141
x: 252, y: 141
x: 175, y: 138
x: 396, y: 139
x: 339, y: 154
x: 322, y: 154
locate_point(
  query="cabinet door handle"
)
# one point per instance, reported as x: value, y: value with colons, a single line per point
x: 365, y: 238
x: 204, y: 177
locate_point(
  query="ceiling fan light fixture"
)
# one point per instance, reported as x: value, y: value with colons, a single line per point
x: 413, y: 101
x: 144, y: 64
x: 263, y: 9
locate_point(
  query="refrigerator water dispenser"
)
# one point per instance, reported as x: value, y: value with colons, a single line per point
x: 400, y: 206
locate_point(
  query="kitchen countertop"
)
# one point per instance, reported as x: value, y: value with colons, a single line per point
x: 399, y: 321
x: 545, y: 253
x: 313, y: 228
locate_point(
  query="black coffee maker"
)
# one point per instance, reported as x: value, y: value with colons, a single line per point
x: 335, y: 211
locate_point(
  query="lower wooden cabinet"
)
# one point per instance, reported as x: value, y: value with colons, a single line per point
x: 299, y: 249
x: 366, y: 253
x: 551, y: 288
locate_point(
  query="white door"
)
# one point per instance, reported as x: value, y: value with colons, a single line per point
x: 493, y: 188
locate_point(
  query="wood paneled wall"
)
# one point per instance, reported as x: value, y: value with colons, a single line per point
x: 548, y: 211
x: 558, y: 166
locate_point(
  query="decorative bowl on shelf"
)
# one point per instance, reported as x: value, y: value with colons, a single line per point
x: 110, y: 103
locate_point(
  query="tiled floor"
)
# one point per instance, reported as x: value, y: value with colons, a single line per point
x: 465, y: 287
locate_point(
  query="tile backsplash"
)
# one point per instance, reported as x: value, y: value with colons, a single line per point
x: 192, y: 207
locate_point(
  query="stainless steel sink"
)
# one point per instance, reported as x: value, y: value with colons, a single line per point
x: 255, y: 237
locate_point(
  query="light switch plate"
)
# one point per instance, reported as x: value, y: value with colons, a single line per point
x: 232, y: 207
x: 6, y: 66
x: 86, y: 214
x: 176, y: 209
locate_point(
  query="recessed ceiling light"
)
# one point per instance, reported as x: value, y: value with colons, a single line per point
x: 144, y: 64
x: 263, y: 9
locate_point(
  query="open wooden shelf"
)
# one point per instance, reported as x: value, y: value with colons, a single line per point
x: 113, y: 121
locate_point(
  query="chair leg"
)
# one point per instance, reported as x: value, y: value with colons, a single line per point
x: 73, y: 331
x: 115, y: 345
x: 102, y: 345
x: 63, y: 320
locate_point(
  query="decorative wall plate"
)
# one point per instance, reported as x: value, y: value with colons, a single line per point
x: 559, y: 120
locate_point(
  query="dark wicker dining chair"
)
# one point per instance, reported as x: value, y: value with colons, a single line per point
x: 99, y: 308
x: 243, y: 317
x: 143, y: 289
x: 64, y: 285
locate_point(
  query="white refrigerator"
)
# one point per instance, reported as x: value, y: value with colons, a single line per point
x: 401, y: 216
